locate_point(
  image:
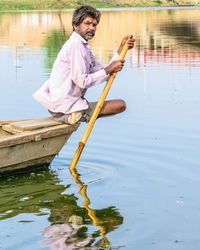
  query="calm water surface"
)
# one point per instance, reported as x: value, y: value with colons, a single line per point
x: 138, y: 179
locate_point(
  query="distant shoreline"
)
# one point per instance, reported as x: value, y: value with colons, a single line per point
x: 30, y: 5
x: 106, y: 9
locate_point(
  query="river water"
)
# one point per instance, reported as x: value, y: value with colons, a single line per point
x: 138, y: 179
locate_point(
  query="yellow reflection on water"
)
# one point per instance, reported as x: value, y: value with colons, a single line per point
x: 30, y: 27
x: 160, y: 34
x: 91, y: 213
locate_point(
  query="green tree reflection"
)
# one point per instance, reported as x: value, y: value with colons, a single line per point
x: 186, y: 33
x: 41, y: 193
x: 54, y: 42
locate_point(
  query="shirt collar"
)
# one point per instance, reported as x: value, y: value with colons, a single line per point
x: 75, y: 34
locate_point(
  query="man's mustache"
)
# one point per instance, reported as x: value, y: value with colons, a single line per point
x: 90, y: 33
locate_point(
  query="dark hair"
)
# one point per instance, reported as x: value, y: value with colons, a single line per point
x: 85, y: 11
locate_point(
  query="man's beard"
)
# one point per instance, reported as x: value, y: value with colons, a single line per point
x: 89, y: 36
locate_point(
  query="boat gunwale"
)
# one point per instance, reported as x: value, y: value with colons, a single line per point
x: 39, y: 134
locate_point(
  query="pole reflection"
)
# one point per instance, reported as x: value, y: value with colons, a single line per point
x: 91, y: 213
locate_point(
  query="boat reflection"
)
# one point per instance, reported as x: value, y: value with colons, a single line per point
x: 72, y: 232
x: 41, y: 193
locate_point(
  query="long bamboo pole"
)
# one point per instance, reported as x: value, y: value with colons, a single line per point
x: 95, y: 113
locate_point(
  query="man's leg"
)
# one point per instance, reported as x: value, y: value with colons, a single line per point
x: 112, y: 107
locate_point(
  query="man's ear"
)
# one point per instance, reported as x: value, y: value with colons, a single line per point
x: 75, y: 27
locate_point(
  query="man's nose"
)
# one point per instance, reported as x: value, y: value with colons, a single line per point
x: 92, y: 27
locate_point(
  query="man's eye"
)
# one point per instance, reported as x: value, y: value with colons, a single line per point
x: 88, y: 23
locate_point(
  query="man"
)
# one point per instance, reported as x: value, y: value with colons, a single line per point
x: 76, y: 69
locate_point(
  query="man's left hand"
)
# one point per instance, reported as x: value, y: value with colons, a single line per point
x: 127, y: 40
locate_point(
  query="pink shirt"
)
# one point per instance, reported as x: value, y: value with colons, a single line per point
x: 75, y: 69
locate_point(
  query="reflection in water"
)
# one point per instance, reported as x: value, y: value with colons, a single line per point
x: 34, y: 193
x: 41, y: 193
x: 185, y: 32
x: 91, y: 213
x: 53, y: 44
x: 66, y: 236
x: 155, y: 30
x: 54, y: 41
x: 155, y: 42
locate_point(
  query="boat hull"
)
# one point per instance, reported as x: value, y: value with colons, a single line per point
x: 31, y: 153
x: 35, y: 148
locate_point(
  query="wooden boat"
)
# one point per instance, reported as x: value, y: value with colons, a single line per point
x: 27, y: 143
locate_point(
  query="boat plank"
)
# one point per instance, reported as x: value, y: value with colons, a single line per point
x: 37, y: 135
x: 29, y: 125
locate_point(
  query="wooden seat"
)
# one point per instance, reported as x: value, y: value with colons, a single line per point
x: 29, y: 125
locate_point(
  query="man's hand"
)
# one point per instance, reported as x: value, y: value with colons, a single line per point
x: 118, y: 65
x: 126, y: 40
x: 114, y: 67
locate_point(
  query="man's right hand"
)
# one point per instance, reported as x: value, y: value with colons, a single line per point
x: 114, y: 67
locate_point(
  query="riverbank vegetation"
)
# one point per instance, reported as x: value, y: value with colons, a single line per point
x: 7, y: 5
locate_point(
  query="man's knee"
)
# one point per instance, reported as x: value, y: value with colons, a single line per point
x: 113, y: 107
x: 122, y: 106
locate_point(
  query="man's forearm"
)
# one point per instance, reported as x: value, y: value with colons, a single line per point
x: 120, y: 49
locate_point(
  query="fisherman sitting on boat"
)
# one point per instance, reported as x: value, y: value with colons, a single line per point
x: 76, y: 69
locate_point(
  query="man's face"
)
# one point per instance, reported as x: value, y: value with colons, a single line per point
x: 87, y: 28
